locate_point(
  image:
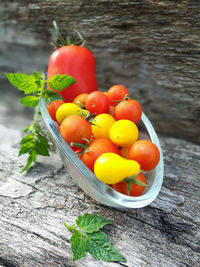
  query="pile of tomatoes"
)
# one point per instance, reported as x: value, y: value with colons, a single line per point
x: 101, y: 128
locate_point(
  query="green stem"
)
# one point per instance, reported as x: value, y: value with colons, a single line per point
x: 37, y: 109
x: 84, y: 147
x: 132, y: 180
x: 68, y: 42
x: 62, y: 40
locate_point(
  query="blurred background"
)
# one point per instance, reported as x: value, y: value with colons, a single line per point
x: 151, y: 47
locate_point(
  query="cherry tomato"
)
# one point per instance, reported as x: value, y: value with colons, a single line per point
x: 124, y: 152
x: 135, y: 191
x: 117, y: 93
x: 129, y: 110
x: 146, y: 153
x: 77, y: 150
x: 97, y: 102
x: 68, y: 109
x: 111, y: 110
x: 101, y: 125
x: 52, y: 108
x: 97, y: 147
x: 111, y: 168
x: 74, y: 128
x: 80, y: 99
x: 123, y: 133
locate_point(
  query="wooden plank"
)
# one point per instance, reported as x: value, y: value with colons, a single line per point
x: 152, y: 47
x: 33, y: 207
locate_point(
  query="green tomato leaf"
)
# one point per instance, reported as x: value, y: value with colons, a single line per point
x: 51, y: 96
x: 23, y: 82
x: 69, y: 227
x: 91, y: 222
x: 42, y: 146
x: 98, y: 245
x: 78, y: 246
x: 26, y: 148
x: 31, y: 158
x: 30, y: 101
x: 43, y: 140
x: 37, y: 76
x: 27, y: 139
x: 43, y: 151
x: 37, y: 128
x: 60, y: 82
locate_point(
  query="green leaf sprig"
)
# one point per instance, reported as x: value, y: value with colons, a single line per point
x: 35, y: 142
x: 90, y: 238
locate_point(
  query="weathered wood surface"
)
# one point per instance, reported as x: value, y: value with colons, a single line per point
x: 33, y: 207
x: 152, y: 47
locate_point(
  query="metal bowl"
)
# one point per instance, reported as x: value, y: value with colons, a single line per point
x: 88, y: 182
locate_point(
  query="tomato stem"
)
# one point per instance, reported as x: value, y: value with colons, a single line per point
x: 118, y: 101
x: 62, y: 40
x: 68, y: 40
x: 84, y: 147
x: 132, y: 180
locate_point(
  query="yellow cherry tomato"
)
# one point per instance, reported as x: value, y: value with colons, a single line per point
x: 123, y: 133
x: 68, y: 109
x: 111, y: 168
x: 102, y: 124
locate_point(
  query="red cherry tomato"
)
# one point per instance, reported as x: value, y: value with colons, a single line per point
x: 111, y: 110
x: 128, y: 110
x: 52, y: 108
x: 97, y: 102
x: 77, y: 150
x: 145, y: 153
x: 135, y: 191
x: 74, y: 128
x: 97, y: 147
x: 78, y: 62
x: 117, y: 93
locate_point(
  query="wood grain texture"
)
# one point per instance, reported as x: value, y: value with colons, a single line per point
x: 33, y: 207
x: 152, y: 47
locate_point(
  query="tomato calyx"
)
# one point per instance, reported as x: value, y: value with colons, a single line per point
x: 67, y: 41
x: 127, y: 97
x: 132, y: 180
x: 82, y: 146
x: 90, y: 117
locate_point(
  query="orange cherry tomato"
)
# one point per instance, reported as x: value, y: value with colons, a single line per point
x: 145, y: 153
x: 117, y: 93
x: 80, y: 99
x: 74, y: 128
x: 124, y: 152
x: 128, y: 110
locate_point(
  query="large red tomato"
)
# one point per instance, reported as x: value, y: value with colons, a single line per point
x: 76, y: 61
